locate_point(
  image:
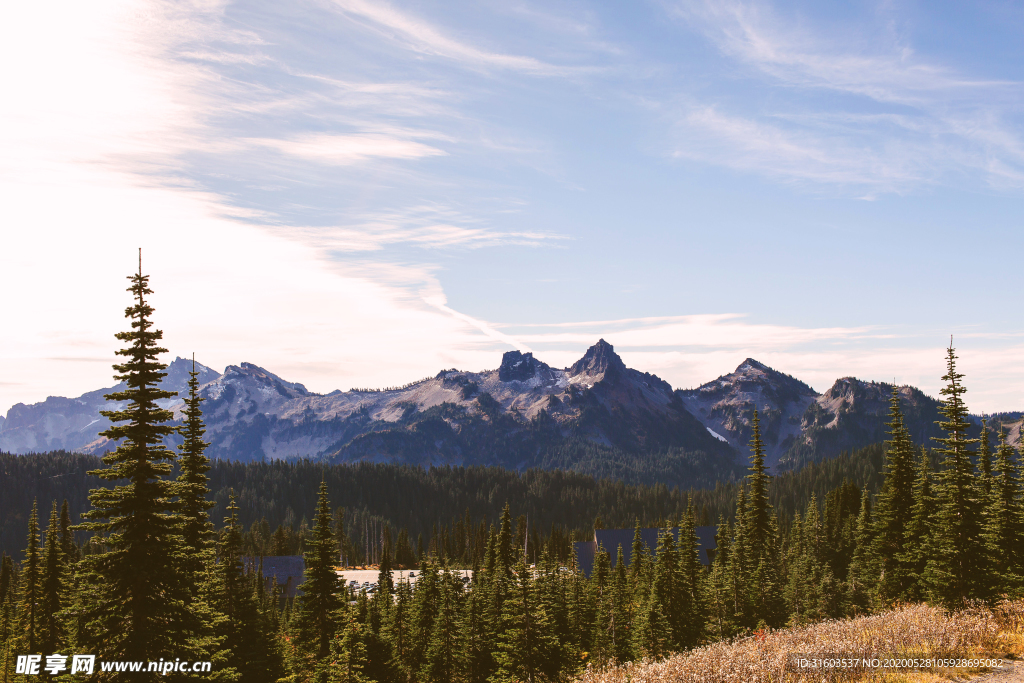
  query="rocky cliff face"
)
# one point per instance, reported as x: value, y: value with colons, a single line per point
x: 853, y: 413
x: 798, y: 425
x: 726, y: 405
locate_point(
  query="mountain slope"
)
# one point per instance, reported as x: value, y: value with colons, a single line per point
x: 799, y: 425
x: 726, y: 405
x: 853, y: 413
x: 614, y: 419
x: 73, y: 424
x: 596, y: 416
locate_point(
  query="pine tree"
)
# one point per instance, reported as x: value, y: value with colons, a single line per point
x: 248, y: 640
x: 766, y: 583
x: 349, y: 655
x: 758, y: 509
x: 1003, y: 530
x: 917, y: 543
x: 579, y: 610
x: 6, y: 578
x: 51, y: 628
x: 862, y: 578
x: 68, y: 547
x: 7, y: 619
x: 800, y: 574
x: 476, y: 634
x: 984, y: 478
x: 397, y: 631
x: 602, y: 641
x: 444, y: 661
x: 953, y: 570
x: 691, y: 594
x: 621, y: 626
x: 652, y: 634
x: 738, y: 573
x: 504, y: 544
x: 638, y: 555
x: 892, y: 513
x: 193, y: 485
x: 425, y: 604
x: 30, y: 616
x: 526, y: 646
x: 720, y: 623
x: 137, y: 608
x: 760, y: 542
x: 321, y: 588
x: 552, y: 584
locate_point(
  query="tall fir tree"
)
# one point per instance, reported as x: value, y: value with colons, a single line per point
x: 52, y: 586
x: 425, y: 604
x: 953, y: 571
x: 68, y: 547
x: 321, y: 587
x: 602, y: 641
x: 882, y: 561
x: 862, y: 580
x: 445, y: 661
x: 917, y: 544
x: 243, y: 631
x: 621, y: 622
x: 984, y: 478
x: 193, y: 485
x: 719, y: 594
x: 761, y: 541
x: 349, y: 655
x: 6, y: 578
x: 758, y: 509
x: 30, y: 582
x: 1004, y: 534
x: 475, y: 634
x: 526, y: 646
x: 397, y: 631
x: 138, y: 595
x: 637, y: 555
x: 691, y: 601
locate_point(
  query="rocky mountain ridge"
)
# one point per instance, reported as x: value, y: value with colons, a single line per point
x: 523, y: 414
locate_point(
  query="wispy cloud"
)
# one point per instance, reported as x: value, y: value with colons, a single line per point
x: 430, y: 226
x: 424, y: 37
x: 329, y: 148
x: 848, y: 110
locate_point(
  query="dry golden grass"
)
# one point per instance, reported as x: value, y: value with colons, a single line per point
x: 911, y: 631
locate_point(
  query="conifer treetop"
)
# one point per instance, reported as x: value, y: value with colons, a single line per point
x: 141, y: 455
x: 956, y: 424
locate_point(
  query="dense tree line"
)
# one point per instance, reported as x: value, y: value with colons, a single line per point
x: 150, y: 578
x: 425, y: 503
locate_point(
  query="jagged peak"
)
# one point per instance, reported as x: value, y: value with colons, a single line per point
x: 518, y: 366
x: 599, y: 358
x: 261, y: 374
x: 753, y: 364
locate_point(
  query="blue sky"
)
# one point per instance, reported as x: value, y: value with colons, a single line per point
x: 357, y: 193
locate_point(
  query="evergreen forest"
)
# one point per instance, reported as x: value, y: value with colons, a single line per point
x: 153, y: 568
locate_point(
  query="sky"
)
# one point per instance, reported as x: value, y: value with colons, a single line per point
x: 353, y: 193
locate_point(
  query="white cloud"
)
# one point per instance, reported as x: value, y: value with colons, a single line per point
x: 347, y: 149
x: 424, y: 37
x: 93, y: 127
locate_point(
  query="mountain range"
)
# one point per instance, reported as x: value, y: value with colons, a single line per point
x: 596, y: 416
